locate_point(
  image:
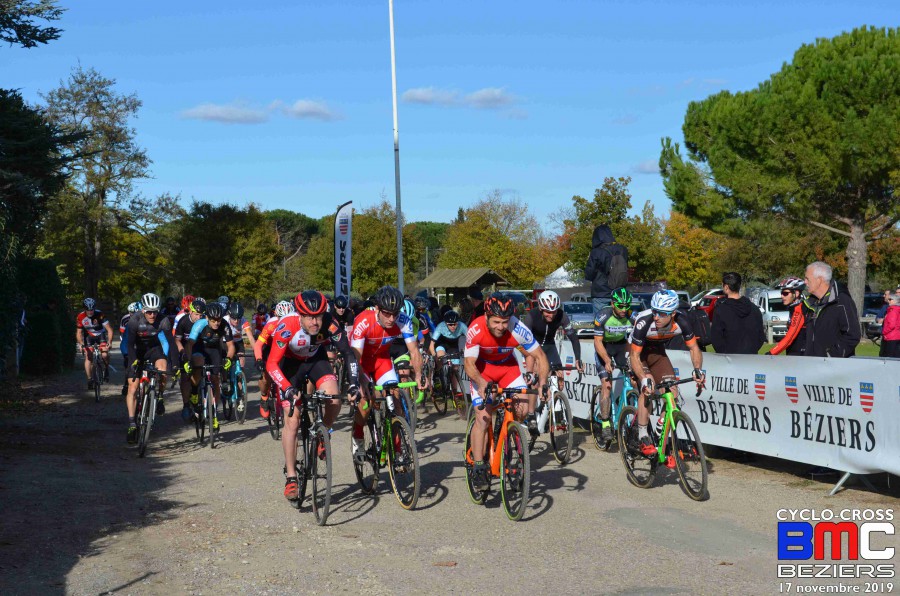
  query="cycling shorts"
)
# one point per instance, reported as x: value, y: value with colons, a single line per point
x: 150, y: 356
x: 506, y: 376
x: 618, y: 352
x: 382, y: 372
x: 655, y: 362
x: 316, y: 370
x: 95, y: 340
x: 238, y: 347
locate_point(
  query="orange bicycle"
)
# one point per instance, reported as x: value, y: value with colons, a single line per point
x: 510, y: 463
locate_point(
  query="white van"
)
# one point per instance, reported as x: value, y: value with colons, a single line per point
x: 774, y: 313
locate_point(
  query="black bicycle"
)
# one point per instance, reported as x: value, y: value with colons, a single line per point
x: 149, y: 393
x: 205, y: 408
x: 313, y: 454
x: 98, y: 368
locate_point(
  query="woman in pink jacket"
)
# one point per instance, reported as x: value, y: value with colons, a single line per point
x: 890, y: 332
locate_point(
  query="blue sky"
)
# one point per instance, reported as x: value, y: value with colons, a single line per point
x: 289, y: 104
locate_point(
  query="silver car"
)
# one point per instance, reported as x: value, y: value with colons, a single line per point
x: 581, y: 314
x: 774, y: 313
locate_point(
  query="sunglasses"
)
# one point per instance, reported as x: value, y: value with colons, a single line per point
x: 659, y: 313
x: 215, y: 320
x: 151, y: 312
x: 452, y: 324
x: 390, y: 315
x: 786, y: 292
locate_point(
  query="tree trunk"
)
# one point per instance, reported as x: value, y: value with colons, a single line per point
x: 857, y: 257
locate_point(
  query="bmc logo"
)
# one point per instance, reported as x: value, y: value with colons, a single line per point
x: 801, y: 541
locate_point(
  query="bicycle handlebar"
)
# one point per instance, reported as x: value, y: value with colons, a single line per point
x: 568, y: 367
x: 508, y: 393
x: 665, y: 386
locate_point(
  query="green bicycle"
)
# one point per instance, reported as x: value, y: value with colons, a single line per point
x: 678, y: 446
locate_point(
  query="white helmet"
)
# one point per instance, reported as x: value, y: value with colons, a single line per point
x: 134, y: 307
x: 790, y: 283
x: 665, y: 301
x: 89, y: 303
x: 150, y: 302
x: 548, y: 300
x: 283, y: 308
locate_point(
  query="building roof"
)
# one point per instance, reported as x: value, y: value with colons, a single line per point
x: 462, y: 278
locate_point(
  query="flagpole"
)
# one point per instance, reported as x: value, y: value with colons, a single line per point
x: 396, y: 153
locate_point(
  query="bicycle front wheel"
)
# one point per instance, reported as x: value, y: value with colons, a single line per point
x: 366, y: 464
x: 595, y: 422
x: 274, y: 419
x: 146, y: 408
x: 403, y: 463
x: 690, y: 459
x: 515, y: 471
x: 97, y: 376
x: 477, y: 496
x: 439, y: 398
x: 241, y: 388
x: 210, y: 418
x: 639, y: 468
x: 561, y: 427
x: 320, y: 470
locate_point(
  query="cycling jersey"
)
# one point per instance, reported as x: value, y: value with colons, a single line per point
x: 449, y: 340
x: 238, y: 328
x: 545, y: 333
x: 612, y: 328
x: 482, y: 345
x: 144, y: 336
x: 259, y: 322
x: 794, y: 341
x: 208, y: 338
x: 123, y: 339
x: 170, y: 313
x: 374, y: 343
x: 293, y: 343
x: 261, y: 345
x: 92, y: 325
x: 646, y: 331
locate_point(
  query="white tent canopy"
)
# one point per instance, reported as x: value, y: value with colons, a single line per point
x: 561, y: 279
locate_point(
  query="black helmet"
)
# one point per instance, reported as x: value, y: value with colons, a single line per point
x: 422, y: 303
x: 389, y: 298
x: 235, y: 311
x: 261, y: 309
x: 215, y: 310
x: 451, y: 316
x: 498, y: 305
x: 170, y: 300
x: 198, y: 305
x: 310, y: 303
x: 340, y: 302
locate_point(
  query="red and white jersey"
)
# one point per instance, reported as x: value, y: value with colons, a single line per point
x: 238, y: 327
x: 92, y: 325
x: 179, y: 316
x: 374, y: 341
x: 289, y: 340
x: 481, y: 344
x: 264, y: 337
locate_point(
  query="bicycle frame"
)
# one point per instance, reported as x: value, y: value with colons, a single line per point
x: 385, y: 441
x: 554, y: 383
x: 616, y: 405
x: 670, y: 408
x: 494, y: 445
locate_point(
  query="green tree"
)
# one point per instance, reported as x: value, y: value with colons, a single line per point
x: 106, y: 162
x: 817, y: 142
x: 293, y: 233
x: 17, y: 26
x: 609, y: 206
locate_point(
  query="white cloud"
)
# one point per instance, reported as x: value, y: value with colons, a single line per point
x: 650, y: 166
x: 625, y: 120
x: 489, y: 98
x: 235, y: 113
x: 307, y: 108
x: 431, y: 96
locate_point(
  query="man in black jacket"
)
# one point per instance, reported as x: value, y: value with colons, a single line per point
x: 737, y: 327
x: 832, y: 321
x: 597, y: 270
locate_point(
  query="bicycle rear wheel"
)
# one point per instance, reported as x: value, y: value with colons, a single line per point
x: 639, y: 468
x: 241, y: 388
x: 690, y: 459
x: 97, y: 375
x: 403, y: 463
x: 595, y: 422
x: 515, y: 471
x: 210, y: 417
x: 366, y: 467
x: 146, y: 407
x: 320, y: 471
x: 439, y: 398
x: 477, y: 496
x: 561, y: 427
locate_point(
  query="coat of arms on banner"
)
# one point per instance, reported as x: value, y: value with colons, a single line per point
x: 790, y: 387
x: 760, y: 384
x: 866, y: 396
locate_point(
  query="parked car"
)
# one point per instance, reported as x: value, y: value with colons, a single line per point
x: 695, y: 301
x: 580, y: 297
x: 774, y: 312
x: 708, y: 304
x: 581, y: 314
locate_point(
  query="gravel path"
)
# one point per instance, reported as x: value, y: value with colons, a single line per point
x: 84, y: 515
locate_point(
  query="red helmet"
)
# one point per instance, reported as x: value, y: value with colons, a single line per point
x: 310, y: 303
x: 186, y: 301
x: 498, y: 305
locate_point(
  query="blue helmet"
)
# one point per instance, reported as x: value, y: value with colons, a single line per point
x: 664, y: 301
x: 409, y: 309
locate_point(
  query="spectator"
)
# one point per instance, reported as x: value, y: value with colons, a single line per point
x: 879, y: 318
x: 832, y: 321
x: 604, y: 269
x: 477, y: 299
x: 794, y: 341
x: 890, y: 333
x: 738, y: 326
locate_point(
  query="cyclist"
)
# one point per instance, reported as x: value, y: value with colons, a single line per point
x: 92, y: 329
x: 261, y: 349
x: 373, y: 334
x: 544, y: 322
x: 209, y: 337
x: 123, y: 340
x: 240, y: 328
x: 299, y: 354
x: 196, y: 311
x: 794, y: 341
x: 612, y: 326
x: 400, y: 352
x: 490, y: 342
x: 260, y: 319
x: 148, y: 341
x: 170, y: 311
x: 448, y: 339
x: 342, y: 313
x: 652, y: 329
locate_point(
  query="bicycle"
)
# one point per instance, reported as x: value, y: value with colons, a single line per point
x: 314, y: 454
x: 148, y: 394
x: 98, y: 368
x: 275, y: 420
x: 205, y: 408
x: 558, y: 411
x: 511, y: 463
x: 679, y: 440
x: 234, y: 404
x: 405, y: 398
x: 388, y: 441
x: 627, y: 397
x: 427, y: 373
x: 448, y: 374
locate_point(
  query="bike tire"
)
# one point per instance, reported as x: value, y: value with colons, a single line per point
x: 209, y: 413
x: 227, y: 407
x: 477, y: 496
x: 640, y: 469
x: 241, y: 387
x: 274, y: 419
x: 595, y: 426
x: 440, y: 398
x: 690, y: 459
x: 515, y: 471
x: 146, y: 406
x: 367, y: 471
x: 459, y: 399
x: 403, y: 463
x: 561, y: 428
x: 407, y: 408
x: 320, y: 471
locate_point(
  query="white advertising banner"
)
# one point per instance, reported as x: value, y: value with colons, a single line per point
x: 840, y: 413
x: 343, y: 242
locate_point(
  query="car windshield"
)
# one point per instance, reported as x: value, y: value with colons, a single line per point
x: 873, y: 301
x: 777, y: 306
x: 582, y: 308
